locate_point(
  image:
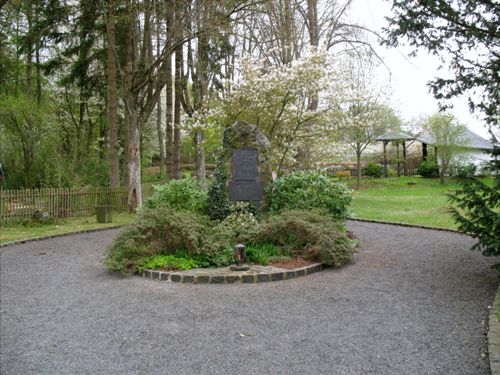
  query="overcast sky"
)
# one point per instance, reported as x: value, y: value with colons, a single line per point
x: 409, y: 76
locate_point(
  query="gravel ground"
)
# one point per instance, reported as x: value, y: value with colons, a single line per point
x: 412, y: 302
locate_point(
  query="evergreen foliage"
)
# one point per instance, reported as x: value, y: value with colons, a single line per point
x: 455, y: 31
x: 217, y: 205
x: 477, y: 210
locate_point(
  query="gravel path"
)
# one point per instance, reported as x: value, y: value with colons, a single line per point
x: 413, y: 302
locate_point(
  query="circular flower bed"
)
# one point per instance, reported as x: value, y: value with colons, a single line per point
x: 172, y: 233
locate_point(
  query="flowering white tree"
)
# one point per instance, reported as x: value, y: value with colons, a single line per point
x: 275, y: 98
x: 362, y: 115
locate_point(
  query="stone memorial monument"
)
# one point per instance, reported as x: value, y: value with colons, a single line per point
x: 247, y: 150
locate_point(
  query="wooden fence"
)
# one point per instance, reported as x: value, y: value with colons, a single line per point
x: 16, y: 205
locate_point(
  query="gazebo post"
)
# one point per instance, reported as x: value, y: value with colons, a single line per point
x: 404, y: 157
x: 385, y: 158
x: 397, y: 156
x: 424, y: 151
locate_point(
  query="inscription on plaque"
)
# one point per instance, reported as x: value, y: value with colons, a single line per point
x: 245, y: 184
x: 245, y: 165
x: 245, y: 191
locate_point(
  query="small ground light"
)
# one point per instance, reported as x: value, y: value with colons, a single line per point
x: 239, y: 258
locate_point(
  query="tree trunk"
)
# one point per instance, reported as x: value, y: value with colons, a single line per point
x: 133, y: 150
x: 134, y: 161
x: 397, y: 157
x: 126, y: 143
x: 29, y: 53
x: 200, y: 159
x: 385, y: 158
x: 158, y: 104
x: 358, y: 167
x: 442, y: 168
x: 169, y: 136
x: 178, y: 93
x: 112, y: 114
x: 37, y: 59
x: 313, y: 28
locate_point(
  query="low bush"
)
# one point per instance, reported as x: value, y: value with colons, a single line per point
x: 264, y: 253
x: 158, y: 231
x: 307, y: 234
x: 166, y: 238
x: 428, y: 169
x: 465, y: 170
x: 238, y: 227
x: 310, y: 190
x: 169, y: 262
x: 374, y: 170
x: 185, y: 194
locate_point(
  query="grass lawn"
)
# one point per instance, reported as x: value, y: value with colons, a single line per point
x: 16, y: 232
x: 395, y: 200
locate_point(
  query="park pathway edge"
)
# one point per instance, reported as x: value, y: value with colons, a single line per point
x: 494, y: 335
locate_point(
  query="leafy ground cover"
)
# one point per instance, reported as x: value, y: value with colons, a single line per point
x: 408, y: 200
x: 164, y: 238
x: 15, y: 232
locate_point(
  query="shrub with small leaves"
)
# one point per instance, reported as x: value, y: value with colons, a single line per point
x: 157, y: 231
x: 238, y: 227
x: 467, y: 170
x: 308, y: 234
x: 428, y: 169
x: 374, y: 170
x: 185, y: 194
x: 310, y: 190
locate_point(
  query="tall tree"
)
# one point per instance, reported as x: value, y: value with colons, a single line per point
x: 179, y: 61
x: 361, y: 115
x: 448, y: 136
x: 465, y: 34
x: 169, y: 109
x: 159, y: 124
x: 112, y: 96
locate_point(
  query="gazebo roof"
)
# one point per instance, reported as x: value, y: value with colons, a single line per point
x: 473, y: 140
x: 395, y: 136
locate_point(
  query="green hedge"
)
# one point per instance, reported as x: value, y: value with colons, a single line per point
x: 310, y: 190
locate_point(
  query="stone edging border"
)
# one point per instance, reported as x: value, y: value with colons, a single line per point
x: 203, y: 278
x: 494, y: 335
x: 406, y: 225
x: 19, y: 242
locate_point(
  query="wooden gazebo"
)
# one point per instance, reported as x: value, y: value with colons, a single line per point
x: 473, y: 143
x: 399, y: 137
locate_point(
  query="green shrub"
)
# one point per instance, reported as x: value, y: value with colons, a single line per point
x: 374, y: 170
x: 238, y: 227
x: 264, y: 253
x: 217, y: 204
x: 428, y: 169
x: 307, y: 234
x: 310, y: 190
x: 476, y: 209
x: 466, y: 170
x: 185, y: 194
x: 158, y: 231
x: 170, y: 262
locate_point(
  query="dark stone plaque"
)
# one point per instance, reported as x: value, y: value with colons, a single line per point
x: 246, y: 190
x: 245, y: 164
